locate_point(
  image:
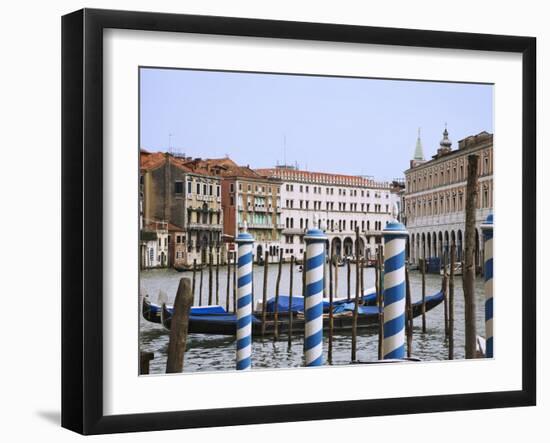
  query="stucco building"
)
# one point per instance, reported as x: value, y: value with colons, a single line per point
x: 435, y: 196
x: 187, y: 200
x: 251, y: 197
x: 342, y: 203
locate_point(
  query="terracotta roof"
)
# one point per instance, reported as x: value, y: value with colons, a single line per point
x: 155, y: 225
x: 223, y: 167
x: 320, y: 177
x: 151, y: 160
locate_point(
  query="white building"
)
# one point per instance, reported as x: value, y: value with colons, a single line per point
x: 154, y: 245
x: 342, y: 203
x: 435, y: 196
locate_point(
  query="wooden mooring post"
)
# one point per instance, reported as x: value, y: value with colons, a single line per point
x: 228, y: 284
x: 218, y: 257
x: 194, y: 277
x: 201, y: 278
x: 444, y: 283
x: 423, y: 271
x: 303, y: 291
x: 357, y: 297
x: 264, y: 291
x: 235, y: 283
x: 469, y: 271
x: 210, y: 276
x: 179, y: 327
x: 277, y: 289
x: 290, y: 291
x: 332, y: 262
x: 452, y: 302
x: 336, y: 275
x: 348, y: 265
x: 144, y: 360
x: 380, y: 301
x: 408, y: 307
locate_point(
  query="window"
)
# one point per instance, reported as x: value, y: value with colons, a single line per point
x: 198, y: 188
x: 249, y: 188
x: 231, y: 201
x: 231, y: 187
x: 204, y: 190
x: 189, y: 187
x: 178, y: 188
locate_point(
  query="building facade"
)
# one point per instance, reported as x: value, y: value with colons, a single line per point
x: 186, y: 200
x: 249, y: 197
x: 341, y: 203
x: 154, y: 245
x: 435, y: 196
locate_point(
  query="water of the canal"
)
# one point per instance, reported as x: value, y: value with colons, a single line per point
x: 214, y: 352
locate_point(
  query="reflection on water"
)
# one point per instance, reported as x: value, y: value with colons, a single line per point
x: 214, y: 352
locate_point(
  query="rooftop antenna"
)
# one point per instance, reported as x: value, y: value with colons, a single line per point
x: 170, y: 143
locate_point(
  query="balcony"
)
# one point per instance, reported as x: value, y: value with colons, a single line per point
x: 204, y: 226
x: 206, y: 198
x: 257, y: 226
x: 293, y: 231
x: 371, y: 232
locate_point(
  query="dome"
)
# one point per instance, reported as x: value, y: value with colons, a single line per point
x: 445, y: 142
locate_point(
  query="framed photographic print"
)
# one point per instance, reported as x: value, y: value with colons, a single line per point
x: 269, y: 221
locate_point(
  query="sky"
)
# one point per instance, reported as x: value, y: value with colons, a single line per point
x: 356, y: 126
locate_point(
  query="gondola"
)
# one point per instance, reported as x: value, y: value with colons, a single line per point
x: 152, y: 312
x: 225, y: 323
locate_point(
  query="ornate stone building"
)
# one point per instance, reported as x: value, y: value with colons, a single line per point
x: 434, y: 199
x: 187, y: 200
x: 341, y: 203
x: 251, y: 197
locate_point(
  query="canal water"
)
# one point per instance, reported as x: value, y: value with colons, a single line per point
x: 214, y: 352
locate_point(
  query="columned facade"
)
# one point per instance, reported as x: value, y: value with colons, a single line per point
x: 342, y: 203
x: 435, y: 198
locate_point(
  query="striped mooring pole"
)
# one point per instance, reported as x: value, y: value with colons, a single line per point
x: 244, y: 299
x: 315, y: 251
x: 487, y: 229
x: 395, y: 240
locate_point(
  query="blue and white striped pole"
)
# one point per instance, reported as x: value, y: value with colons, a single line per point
x: 487, y: 229
x: 315, y: 251
x: 395, y: 240
x: 244, y: 299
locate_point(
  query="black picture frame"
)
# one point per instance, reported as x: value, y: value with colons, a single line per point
x: 82, y: 215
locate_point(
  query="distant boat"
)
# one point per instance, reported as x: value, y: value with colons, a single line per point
x: 458, y: 269
x: 186, y: 268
